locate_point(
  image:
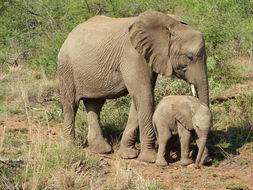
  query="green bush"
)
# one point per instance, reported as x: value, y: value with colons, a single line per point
x: 40, y: 27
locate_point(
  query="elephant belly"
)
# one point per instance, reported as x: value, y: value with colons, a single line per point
x: 99, y: 85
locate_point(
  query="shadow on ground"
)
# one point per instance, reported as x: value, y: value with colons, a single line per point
x: 112, y: 133
x: 222, y: 143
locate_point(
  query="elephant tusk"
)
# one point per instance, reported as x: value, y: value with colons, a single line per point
x: 193, y: 90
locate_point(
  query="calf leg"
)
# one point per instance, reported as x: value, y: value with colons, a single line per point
x: 205, y: 157
x: 164, y: 135
x: 184, y: 136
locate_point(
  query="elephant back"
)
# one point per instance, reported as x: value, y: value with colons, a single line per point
x: 97, y: 30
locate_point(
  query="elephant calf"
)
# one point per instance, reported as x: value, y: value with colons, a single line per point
x: 180, y: 115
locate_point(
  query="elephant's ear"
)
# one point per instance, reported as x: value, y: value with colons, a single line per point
x: 150, y: 36
x: 184, y: 118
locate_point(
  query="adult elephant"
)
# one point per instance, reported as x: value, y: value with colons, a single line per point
x: 106, y: 58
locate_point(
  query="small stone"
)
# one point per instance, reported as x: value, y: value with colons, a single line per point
x: 191, y: 165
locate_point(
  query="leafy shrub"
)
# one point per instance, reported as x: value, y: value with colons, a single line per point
x: 236, y: 186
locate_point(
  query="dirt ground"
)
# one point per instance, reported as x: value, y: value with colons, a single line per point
x: 230, y: 174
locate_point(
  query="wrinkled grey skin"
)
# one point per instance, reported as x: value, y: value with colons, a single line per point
x: 106, y: 58
x: 180, y: 115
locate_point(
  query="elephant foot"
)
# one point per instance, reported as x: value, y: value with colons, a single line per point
x: 128, y: 152
x: 68, y: 139
x: 99, y: 146
x: 147, y: 155
x: 186, y: 161
x: 206, y: 160
x: 161, y: 162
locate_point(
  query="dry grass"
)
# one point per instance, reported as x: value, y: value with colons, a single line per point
x: 125, y: 177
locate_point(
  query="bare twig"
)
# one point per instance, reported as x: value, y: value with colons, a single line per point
x: 88, y: 6
x: 221, y: 99
x: 10, y: 163
x: 21, y: 56
x: 25, y: 9
x: 9, y: 160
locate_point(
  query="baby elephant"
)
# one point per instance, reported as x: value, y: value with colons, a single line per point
x: 180, y: 115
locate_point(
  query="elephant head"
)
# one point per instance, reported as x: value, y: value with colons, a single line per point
x: 171, y: 47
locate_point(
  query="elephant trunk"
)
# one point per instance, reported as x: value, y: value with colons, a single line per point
x: 202, y: 144
x: 202, y: 89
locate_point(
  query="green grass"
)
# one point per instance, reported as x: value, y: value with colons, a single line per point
x: 12, y: 109
x: 13, y: 143
x: 236, y: 187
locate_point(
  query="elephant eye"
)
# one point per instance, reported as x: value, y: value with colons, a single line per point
x: 190, y: 57
x: 182, y: 22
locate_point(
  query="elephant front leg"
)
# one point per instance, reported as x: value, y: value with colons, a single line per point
x: 127, y: 144
x: 164, y: 135
x: 206, y: 159
x: 184, y: 136
x: 96, y: 141
x: 147, y: 135
x: 138, y: 80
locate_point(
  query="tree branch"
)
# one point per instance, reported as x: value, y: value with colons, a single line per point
x: 221, y: 99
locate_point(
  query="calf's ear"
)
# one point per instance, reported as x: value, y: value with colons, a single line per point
x: 184, y: 119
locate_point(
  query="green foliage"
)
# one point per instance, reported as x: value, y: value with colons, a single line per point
x: 12, y: 109
x: 31, y: 32
x: 40, y: 27
x: 168, y: 86
x: 226, y: 27
x: 232, y: 127
x: 154, y: 187
x: 215, y: 163
x: 237, y: 186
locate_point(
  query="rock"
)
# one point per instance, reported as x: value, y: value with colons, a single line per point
x: 190, y: 165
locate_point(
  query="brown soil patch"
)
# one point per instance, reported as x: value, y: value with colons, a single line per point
x: 20, y: 123
x: 176, y: 177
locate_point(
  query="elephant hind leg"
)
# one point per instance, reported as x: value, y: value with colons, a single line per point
x: 68, y: 99
x: 96, y: 141
x: 69, y: 110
